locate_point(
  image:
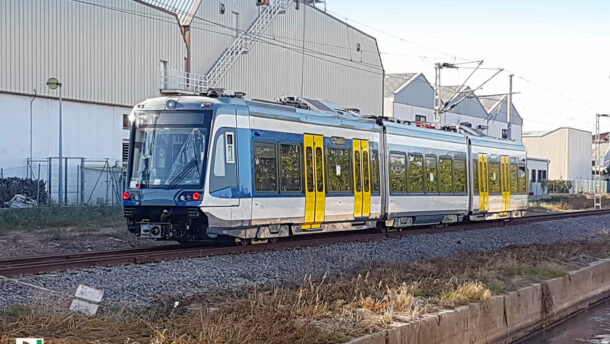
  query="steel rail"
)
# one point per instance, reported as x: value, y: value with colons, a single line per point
x: 40, y: 264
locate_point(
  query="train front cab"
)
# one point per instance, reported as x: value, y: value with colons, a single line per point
x: 499, y: 179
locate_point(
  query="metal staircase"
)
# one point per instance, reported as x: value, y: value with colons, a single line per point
x: 242, y: 44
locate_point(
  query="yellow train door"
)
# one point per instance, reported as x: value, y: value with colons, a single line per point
x: 505, y: 169
x: 483, y: 183
x: 362, y: 178
x: 315, y: 188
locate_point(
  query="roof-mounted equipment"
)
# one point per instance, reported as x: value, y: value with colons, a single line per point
x: 294, y: 102
x: 221, y: 92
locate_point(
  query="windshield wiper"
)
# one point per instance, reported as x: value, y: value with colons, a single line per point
x: 184, y: 172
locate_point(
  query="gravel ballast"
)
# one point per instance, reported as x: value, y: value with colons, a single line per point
x: 176, y: 280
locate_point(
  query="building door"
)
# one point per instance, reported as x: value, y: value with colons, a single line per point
x: 505, y: 182
x: 362, y: 178
x: 483, y: 183
x: 315, y: 188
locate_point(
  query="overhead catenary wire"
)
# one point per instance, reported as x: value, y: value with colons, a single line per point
x: 272, y: 40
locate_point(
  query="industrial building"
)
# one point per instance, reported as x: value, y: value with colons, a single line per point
x: 110, y: 54
x: 410, y: 97
x: 568, y: 150
x: 539, y: 171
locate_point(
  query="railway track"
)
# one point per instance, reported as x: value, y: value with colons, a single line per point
x: 40, y: 264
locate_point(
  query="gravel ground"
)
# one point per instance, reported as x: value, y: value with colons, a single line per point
x: 175, y: 280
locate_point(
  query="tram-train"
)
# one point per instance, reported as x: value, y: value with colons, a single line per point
x: 204, y: 167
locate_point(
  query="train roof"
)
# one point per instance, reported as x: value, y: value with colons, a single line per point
x: 267, y: 109
x: 329, y: 117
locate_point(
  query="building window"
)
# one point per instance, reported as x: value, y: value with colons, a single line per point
x: 265, y: 167
x: 533, y: 177
x: 163, y: 72
x: 236, y: 24
x: 420, y: 118
x: 543, y: 175
x: 125, y: 152
x: 504, y: 133
x: 126, y: 121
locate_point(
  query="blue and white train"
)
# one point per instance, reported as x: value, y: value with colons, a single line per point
x: 212, y: 166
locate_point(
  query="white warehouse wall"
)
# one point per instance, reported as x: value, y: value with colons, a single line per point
x: 407, y: 113
x: 89, y: 130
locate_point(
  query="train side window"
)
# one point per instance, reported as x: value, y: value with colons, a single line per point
x: 513, y: 178
x: 290, y: 168
x: 338, y: 170
x: 224, y: 172
x: 475, y: 175
x: 265, y: 167
x: 459, y: 175
x: 319, y: 169
x: 230, y: 147
x: 358, y: 170
x: 522, y: 178
x: 415, y: 171
x: 446, y: 175
x: 432, y: 174
x: 494, y: 176
x: 309, y: 159
x: 398, y: 175
x: 365, y: 171
x: 374, y: 170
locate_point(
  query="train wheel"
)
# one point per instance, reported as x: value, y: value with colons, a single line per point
x: 274, y: 240
x: 243, y: 242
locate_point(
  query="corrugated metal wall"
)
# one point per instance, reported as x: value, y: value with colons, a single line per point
x: 109, y: 51
x: 332, y: 68
x: 105, y: 51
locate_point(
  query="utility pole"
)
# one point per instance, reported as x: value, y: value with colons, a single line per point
x: 598, y: 165
x: 509, y: 108
x: 437, y: 95
x: 53, y: 84
x: 31, y: 173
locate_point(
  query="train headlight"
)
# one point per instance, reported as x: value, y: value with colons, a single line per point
x: 196, y: 196
x: 126, y: 195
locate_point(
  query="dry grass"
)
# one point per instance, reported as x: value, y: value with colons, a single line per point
x: 318, y: 310
x: 560, y: 203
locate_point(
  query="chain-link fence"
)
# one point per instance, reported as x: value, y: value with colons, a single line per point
x: 81, y: 182
x: 577, y: 186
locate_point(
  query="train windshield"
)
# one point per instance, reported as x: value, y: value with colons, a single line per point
x: 169, y: 149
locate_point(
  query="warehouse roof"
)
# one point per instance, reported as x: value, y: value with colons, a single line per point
x: 393, y: 83
x: 184, y: 10
x: 491, y: 102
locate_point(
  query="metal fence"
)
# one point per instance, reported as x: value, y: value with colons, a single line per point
x: 84, y: 181
x: 577, y: 186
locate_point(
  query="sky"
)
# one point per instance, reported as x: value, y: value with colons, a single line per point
x: 558, y: 50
